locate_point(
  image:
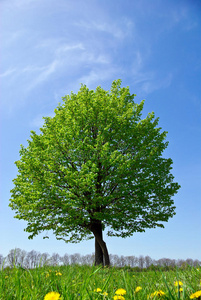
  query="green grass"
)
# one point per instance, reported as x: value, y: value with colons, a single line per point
x: 79, y: 282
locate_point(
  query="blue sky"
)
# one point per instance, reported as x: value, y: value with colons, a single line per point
x: 50, y: 47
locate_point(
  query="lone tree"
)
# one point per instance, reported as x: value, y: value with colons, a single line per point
x: 95, y: 165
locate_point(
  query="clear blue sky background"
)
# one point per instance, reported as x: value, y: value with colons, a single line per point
x: 49, y: 47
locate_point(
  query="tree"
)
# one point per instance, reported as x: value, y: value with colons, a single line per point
x: 65, y: 259
x: 1, y: 260
x: 16, y: 257
x: 75, y: 258
x: 148, y: 261
x: 141, y: 262
x: 95, y: 165
x: 55, y: 259
x: 33, y: 259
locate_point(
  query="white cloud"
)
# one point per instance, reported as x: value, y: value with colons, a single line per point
x: 147, y: 79
x: 180, y: 14
x: 46, y: 71
x: 58, y: 46
x: 7, y: 73
x: 118, y: 31
x: 68, y: 47
x: 92, y: 57
x: 74, y: 53
x: 90, y: 52
x: 67, y: 58
x: 19, y: 4
x: 38, y: 121
x: 96, y: 76
x: 149, y: 85
x: 46, y: 55
x: 109, y: 28
x: 9, y: 37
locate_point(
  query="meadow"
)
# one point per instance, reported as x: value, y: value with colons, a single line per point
x: 91, y: 282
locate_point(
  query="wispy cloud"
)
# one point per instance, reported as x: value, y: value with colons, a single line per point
x: 19, y: 4
x: 7, y: 73
x: 178, y: 15
x: 91, y: 51
x: 97, y: 76
x: 68, y: 47
x: 66, y: 56
x: 38, y: 120
x: 44, y: 74
x: 118, y: 31
x: 150, y: 85
x: 182, y: 15
x: 147, y: 80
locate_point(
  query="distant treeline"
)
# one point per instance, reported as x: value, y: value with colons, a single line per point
x: 33, y: 259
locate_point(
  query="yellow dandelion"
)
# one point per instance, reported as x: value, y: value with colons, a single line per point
x: 58, y: 274
x: 98, y: 290
x: 119, y: 297
x: 178, y: 283
x: 138, y: 288
x: 196, y: 295
x: 52, y: 296
x: 161, y: 293
x: 157, y: 294
x: 47, y: 275
x: 105, y: 294
x: 120, y: 292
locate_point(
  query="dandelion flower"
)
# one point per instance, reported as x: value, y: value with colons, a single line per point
x: 157, y: 294
x: 52, y: 296
x: 58, y: 274
x: 105, y: 294
x: 98, y: 290
x: 138, y: 288
x: 120, y: 292
x: 119, y: 297
x: 178, y: 283
x: 195, y: 295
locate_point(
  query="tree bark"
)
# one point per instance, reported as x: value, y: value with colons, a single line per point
x: 101, y: 252
x: 98, y: 254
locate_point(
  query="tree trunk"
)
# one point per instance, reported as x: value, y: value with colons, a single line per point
x: 98, y: 254
x: 101, y: 252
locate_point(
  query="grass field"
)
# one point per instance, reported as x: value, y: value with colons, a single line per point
x: 86, y: 282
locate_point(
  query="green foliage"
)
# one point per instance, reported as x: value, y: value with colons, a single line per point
x: 96, y: 159
x: 82, y: 282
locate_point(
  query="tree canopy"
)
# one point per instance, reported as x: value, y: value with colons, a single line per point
x: 95, y: 166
